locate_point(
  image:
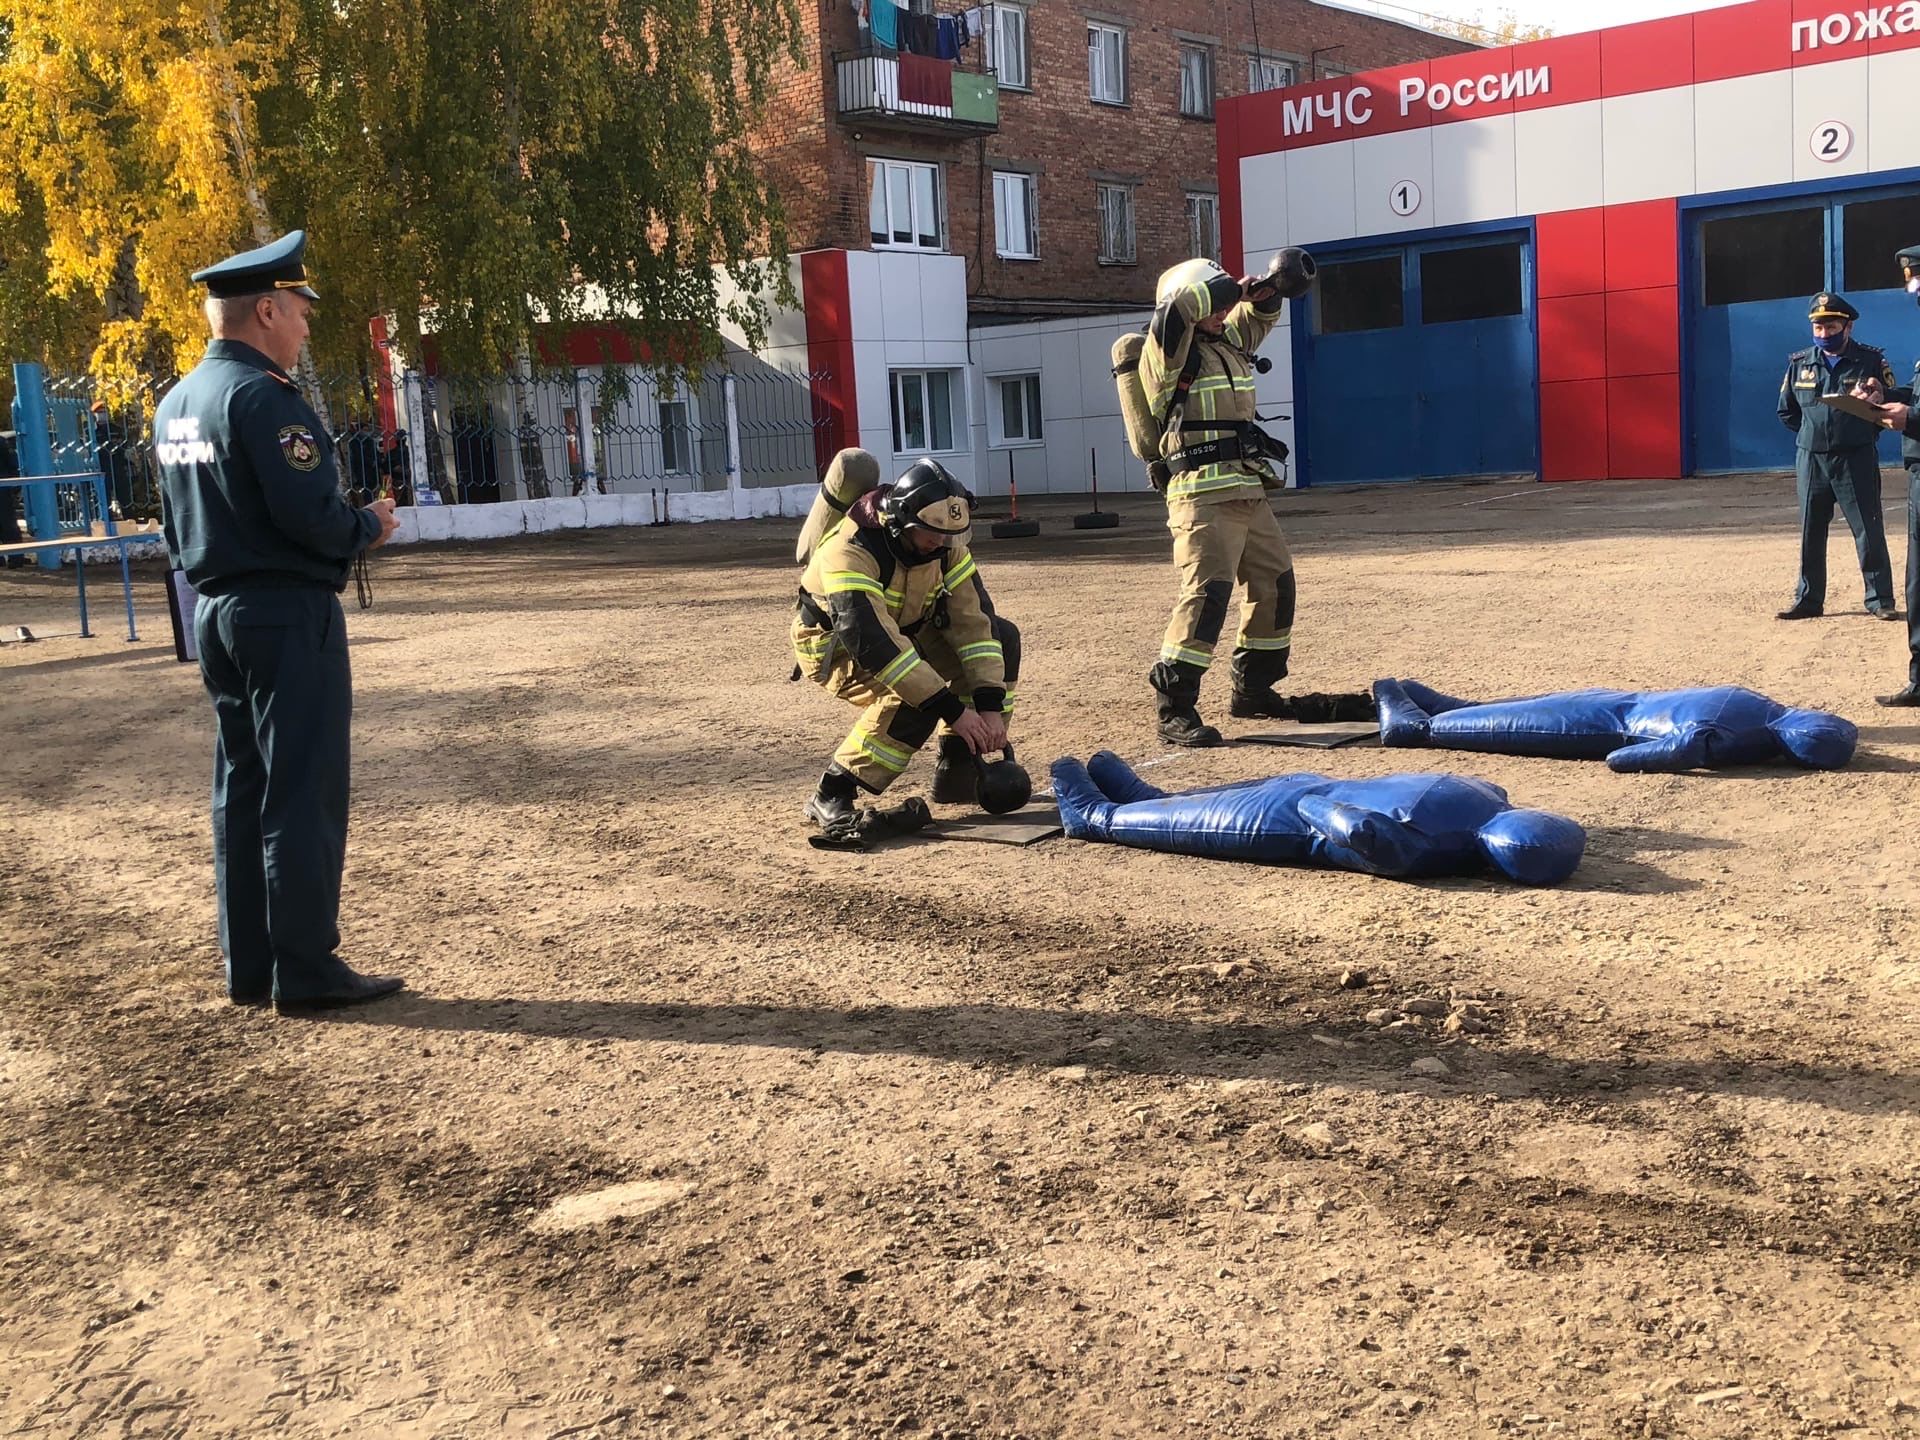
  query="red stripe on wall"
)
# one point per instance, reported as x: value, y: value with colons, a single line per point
x: 1609, y: 313
x: 829, y: 311
x: 1751, y: 39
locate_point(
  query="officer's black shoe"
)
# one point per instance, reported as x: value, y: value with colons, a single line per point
x: 831, y: 806
x: 1259, y: 705
x: 1178, y: 687
x: 955, y: 776
x: 1885, y: 613
x: 253, y: 999
x: 1901, y: 699
x: 358, y: 990
x: 1802, y: 611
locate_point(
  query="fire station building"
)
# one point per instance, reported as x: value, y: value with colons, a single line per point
x: 1584, y: 257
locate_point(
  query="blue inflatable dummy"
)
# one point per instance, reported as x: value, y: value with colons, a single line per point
x: 1646, y: 730
x: 1398, y: 825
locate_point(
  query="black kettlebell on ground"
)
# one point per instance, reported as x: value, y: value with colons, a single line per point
x: 1002, y: 785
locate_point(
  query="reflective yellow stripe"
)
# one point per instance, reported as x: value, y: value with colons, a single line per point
x: 1204, y: 297
x: 1281, y: 641
x: 897, y: 668
x: 961, y: 572
x: 980, y: 648
x: 1202, y: 658
x: 887, y: 757
x: 1211, y: 478
x: 847, y: 582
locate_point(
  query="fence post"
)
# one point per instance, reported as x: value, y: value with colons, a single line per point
x: 417, y: 437
x: 584, y: 393
x: 730, y: 398
x: 34, y: 444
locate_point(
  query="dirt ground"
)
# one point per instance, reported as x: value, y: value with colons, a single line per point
x: 687, y: 1129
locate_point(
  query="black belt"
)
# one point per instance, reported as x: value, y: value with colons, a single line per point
x: 1250, y: 444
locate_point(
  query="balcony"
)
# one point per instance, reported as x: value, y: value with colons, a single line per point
x: 940, y: 97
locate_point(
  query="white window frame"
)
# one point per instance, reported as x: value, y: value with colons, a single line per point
x: 1014, y: 237
x: 1006, y: 39
x: 1126, y: 254
x: 1106, y: 64
x: 899, y: 384
x: 909, y: 173
x: 687, y: 435
x: 1203, y: 228
x: 1032, y: 417
x: 1262, y: 69
x: 1198, y: 105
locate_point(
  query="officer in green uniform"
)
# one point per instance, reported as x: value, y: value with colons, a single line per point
x: 255, y: 517
x: 1903, y: 414
x: 1837, y: 462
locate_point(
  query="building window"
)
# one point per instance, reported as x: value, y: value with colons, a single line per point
x: 1475, y: 282
x: 676, y: 438
x: 1354, y: 295
x: 1203, y: 224
x: 1870, y: 231
x: 1107, y: 64
x: 1196, y: 82
x: 1769, y: 256
x: 923, y: 419
x: 904, y: 205
x: 1266, y: 74
x: 1116, y: 223
x: 1015, y: 412
x: 1007, y: 45
x: 1013, y: 227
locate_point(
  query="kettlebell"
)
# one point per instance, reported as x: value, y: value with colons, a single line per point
x: 1002, y: 785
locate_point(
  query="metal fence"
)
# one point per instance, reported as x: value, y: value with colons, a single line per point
x: 492, y: 438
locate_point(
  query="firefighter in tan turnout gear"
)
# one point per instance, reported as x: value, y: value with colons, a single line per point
x: 1198, y: 433
x: 893, y: 617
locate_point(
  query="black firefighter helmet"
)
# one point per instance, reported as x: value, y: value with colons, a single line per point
x: 925, y: 498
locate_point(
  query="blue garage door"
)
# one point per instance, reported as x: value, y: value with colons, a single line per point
x: 1752, y: 270
x: 1417, y: 362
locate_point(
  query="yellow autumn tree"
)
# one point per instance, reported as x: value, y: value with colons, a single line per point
x: 1491, y: 28
x: 124, y: 123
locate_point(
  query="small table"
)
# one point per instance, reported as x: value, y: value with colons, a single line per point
x: 93, y: 506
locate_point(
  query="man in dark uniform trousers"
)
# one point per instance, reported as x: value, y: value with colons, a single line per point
x: 255, y: 517
x: 1903, y: 414
x: 1837, y: 461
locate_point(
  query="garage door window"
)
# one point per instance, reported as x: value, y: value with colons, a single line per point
x: 1360, y: 295
x: 1769, y: 256
x: 1873, y: 229
x: 1475, y: 283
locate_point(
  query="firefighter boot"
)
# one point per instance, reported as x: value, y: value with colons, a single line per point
x: 1178, y: 686
x: 1254, y: 672
x: 831, y: 806
x: 955, y: 776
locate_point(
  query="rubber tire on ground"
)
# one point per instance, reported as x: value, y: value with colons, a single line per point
x: 1015, y: 529
x: 1096, y: 520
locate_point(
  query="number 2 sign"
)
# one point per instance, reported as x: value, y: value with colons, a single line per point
x: 1831, y: 142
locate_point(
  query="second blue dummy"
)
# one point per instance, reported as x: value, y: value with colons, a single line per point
x: 1632, y: 730
x: 1403, y: 826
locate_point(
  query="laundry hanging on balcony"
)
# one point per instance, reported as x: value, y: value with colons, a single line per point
x: 884, y: 23
x: 919, y: 34
x: 925, y: 81
x: 950, y: 33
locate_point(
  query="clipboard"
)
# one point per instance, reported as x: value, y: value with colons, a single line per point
x: 1865, y: 409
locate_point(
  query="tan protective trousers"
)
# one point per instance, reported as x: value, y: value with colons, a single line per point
x: 1215, y: 545
x: 883, y: 740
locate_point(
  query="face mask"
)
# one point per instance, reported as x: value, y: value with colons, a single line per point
x: 1833, y: 344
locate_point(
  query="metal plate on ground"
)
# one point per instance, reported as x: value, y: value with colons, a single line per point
x: 1022, y: 827
x: 1315, y: 737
